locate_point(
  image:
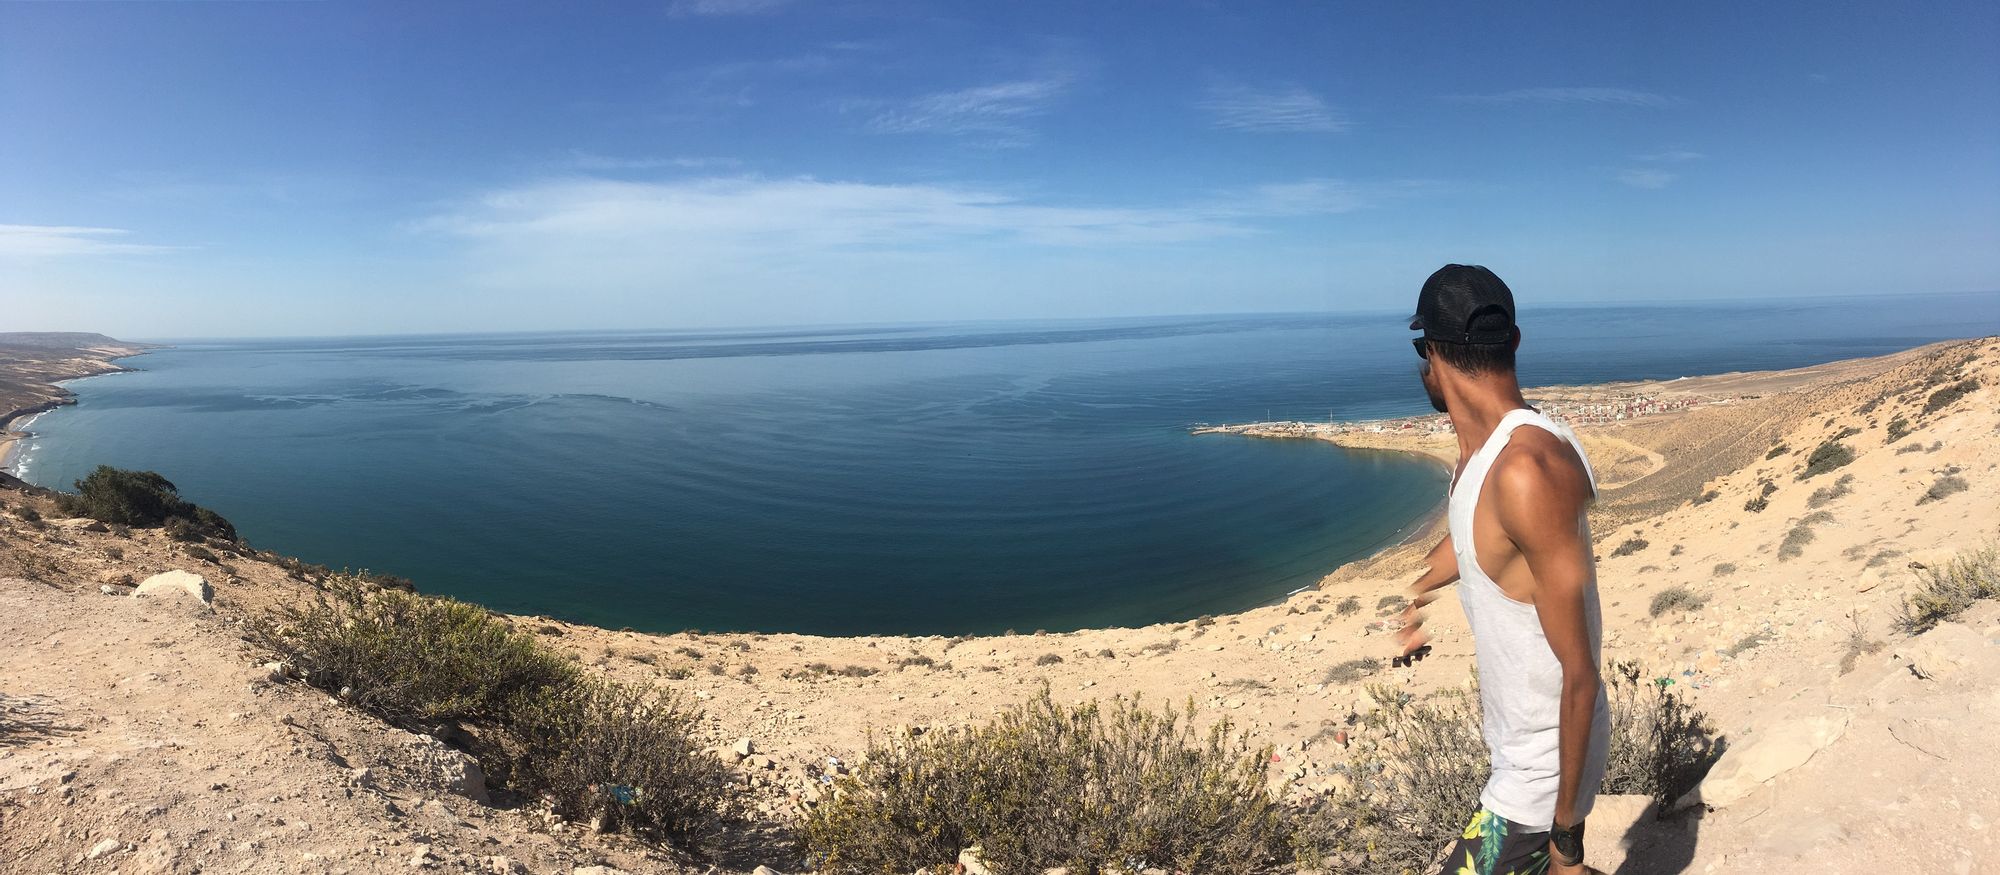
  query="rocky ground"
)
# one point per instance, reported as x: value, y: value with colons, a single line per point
x: 148, y: 737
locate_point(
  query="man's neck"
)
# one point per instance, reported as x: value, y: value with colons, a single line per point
x: 1477, y: 409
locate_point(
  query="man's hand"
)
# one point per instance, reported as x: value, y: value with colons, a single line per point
x: 1441, y: 571
x: 1412, y: 635
x: 1556, y: 866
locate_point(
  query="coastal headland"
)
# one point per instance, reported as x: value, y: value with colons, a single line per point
x: 33, y: 366
x: 159, y: 740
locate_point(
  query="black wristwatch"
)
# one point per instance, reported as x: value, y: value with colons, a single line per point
x: 1569, y: 843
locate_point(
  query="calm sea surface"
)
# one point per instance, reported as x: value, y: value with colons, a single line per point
x: 879, y: 479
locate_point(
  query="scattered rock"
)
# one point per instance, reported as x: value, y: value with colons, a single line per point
x: 177, y: 583
x: 765, y: 870
x: 436, y: 765
x: 501, y: 865
x: 104, y: 848
x: 597, y: 870
x: 1942, y: 651
x: 744, y: 747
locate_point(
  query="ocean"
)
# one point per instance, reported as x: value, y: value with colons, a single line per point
x: 908, y: 479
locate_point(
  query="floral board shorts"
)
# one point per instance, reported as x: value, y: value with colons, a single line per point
x: 1494, y: 845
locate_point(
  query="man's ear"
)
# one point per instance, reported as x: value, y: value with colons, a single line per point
x: 1514, y: 343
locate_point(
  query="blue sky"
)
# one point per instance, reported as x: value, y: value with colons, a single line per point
x: 216, y: 169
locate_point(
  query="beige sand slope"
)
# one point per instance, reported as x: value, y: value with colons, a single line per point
x: 155, y: 742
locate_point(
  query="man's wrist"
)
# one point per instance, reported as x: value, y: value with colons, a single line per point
x: 1566, y: 843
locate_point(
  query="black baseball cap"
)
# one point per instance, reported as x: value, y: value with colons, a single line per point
x: 1464, y: 303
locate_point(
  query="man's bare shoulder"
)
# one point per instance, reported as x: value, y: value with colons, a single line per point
x: 1537, y: 468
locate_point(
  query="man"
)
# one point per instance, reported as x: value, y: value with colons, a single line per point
x: 1519, y: 549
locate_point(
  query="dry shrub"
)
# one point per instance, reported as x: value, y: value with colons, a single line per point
x: 412, y: 660
x: 1945, y: 487
x: 1945, y: 591
x: 1858, y: 645
x: 1349, y: 605
x: 1419, y: 767
x: 1412, y: 783
x: 1826, y: 457
x: 1801, y: 534
x: 1676, y: 598
x: 1825, y: 494
x: 1084, y: 787
x: 1660, y: 745
x: 1945, y: 396
x: 1351, y: 671
x: 624, y: 757
x: 1631, y: 546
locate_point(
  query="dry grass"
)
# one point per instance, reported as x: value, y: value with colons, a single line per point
x: 1944, y: 591
x: 1351, y: 671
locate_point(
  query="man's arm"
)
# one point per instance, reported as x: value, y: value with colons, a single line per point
x: 1543, y: 492
x: 1442, y: 570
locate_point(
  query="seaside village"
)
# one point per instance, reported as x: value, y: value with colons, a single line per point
x: 1576, y: 411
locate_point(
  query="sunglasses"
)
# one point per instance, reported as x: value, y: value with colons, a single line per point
x: 1423, y: 345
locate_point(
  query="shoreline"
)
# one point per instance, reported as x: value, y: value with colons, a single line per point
x: 1590, y: 409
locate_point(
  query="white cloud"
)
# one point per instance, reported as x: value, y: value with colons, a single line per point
x: 1287, y: 109
x: 724, y: 230
x: 1670, y: 156
x: 56, y: 241
x: 1583, y: 95
x: 1646, y: 177
x: 998, y: 112
x: 725, y: 7
x: 584, y: 160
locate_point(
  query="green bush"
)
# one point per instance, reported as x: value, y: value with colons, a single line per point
x: 1349, y: 605
x: 1945, y: 396
x: 1777, y: 451
x: 1945, y: 591
x: 1898, y: 429
x: 623, y: 756
x: 1044, y: 785
x: 1631, y: 546
x: 410, y: 659
x: 1826, y: 457
x: 144, y: 499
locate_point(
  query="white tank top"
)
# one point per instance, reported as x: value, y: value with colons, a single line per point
x: 1520, y: 681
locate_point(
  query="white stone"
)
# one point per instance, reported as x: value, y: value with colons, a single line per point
x: 177, y: 583
x: 108, y: 846
x: 1942, y: 651
x: 1747, y: 766
x: 971, y: 863
x: 744, y: 747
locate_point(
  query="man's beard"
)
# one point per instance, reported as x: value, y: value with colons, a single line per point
x: 1430, y: 388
